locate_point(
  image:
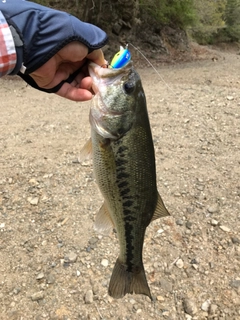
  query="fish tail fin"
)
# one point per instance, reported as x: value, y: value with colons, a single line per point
x: 123, y: 281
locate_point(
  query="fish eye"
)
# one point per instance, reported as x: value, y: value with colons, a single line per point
x: 128, y: 87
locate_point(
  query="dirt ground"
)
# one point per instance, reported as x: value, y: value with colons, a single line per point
x: 52, y: 263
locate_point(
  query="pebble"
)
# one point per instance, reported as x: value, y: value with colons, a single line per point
x: 104, y: 262
x: 179, y: 222
x: 160, y: 298
x: 225, y: 229
x: 214, y: 222
x: 235, y: 240
x: 213, y: 208
x: 50, y: 278
x: 205, y: 306
x: 180, y: 263
x: 37, y: 296
x: 71, y: 257
x: 33, y: 200
x: 89, y: 297
x: 189, y: 306
x: 235, y: 284
x: 188, y: 224
x: 40, y: 276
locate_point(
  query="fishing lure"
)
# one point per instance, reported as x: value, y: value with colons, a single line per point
x: 121, y: 58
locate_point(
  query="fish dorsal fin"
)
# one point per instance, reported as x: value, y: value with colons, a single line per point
x: 103, y: 223
x: 86, y: 151
x: 160, y: 210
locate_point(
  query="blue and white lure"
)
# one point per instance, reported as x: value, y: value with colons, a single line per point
x: 121, y: 58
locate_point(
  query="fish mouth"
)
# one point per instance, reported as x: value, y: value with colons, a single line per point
x: 103, y: 76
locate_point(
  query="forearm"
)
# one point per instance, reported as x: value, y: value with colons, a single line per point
x: 8, y: 57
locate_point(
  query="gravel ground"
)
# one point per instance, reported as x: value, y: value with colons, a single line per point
x: 53, y: 264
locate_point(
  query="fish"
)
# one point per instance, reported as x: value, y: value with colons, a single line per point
x: 124, y: 167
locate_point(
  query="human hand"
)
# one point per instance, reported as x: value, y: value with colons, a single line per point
x: 64, y: 63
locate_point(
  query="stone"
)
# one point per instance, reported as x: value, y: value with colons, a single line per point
x: 40, y: 276
x: 235, y: 240
x: 104, y: 262
x: 189, y: 306
x: 205, y: 306
x: 179, y: 222
x: 89, y: 297
x: 37, y: 296
x: 180, y: 263
x: 33, y: 200
x: 225, y: 229
x: 72, y: 257
x: 235, y: 284
x: 213, y: 208
x: 214, y: 222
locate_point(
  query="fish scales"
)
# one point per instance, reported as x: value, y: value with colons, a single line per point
x: 124, y: 168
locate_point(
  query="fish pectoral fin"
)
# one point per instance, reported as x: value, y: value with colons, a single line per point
x: 123, y: 281
x: 103, y: 223
x: 160, y: 210
x: 86, y: 151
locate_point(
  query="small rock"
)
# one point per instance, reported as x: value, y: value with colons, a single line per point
x: 37, y: 296
x: 179, y: 263
x: 188, y: 224
x: 205, y: 306
x: 16, y: 290
x: 230, y: 98
x: 89, y: 297
x: 235, y: 284
x: 71, y: 257
x: 214, y: 222
x: 40, y: 276
x: 160, y: 298
x: 189, y: 306
x: 104, y: 262
x: 235, y: 240
x: 78, y: 273
x: 2, y: 225
x: 50, y: 278
x: 213, y: 208
x: 33, y: 200
x: 179, y: 222
x: 225, y: 229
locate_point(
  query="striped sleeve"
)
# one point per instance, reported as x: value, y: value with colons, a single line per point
x: 8, y: 57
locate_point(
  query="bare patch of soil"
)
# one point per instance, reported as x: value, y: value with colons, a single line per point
x: 53, y: 264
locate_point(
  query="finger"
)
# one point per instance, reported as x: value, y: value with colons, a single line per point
x: 97, y: 57
x: 74, y: 93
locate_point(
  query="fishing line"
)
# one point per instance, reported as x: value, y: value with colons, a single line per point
x: 162, y: 79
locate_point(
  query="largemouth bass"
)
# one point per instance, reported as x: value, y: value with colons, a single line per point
x: 124, y: 168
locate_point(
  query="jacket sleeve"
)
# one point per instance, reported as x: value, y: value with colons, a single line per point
x: 8, y: 55
x: 40, y: 32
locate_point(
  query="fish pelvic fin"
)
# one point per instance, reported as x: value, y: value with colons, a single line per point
x: 86, y: 151
x: 160, y: 210
x: 123, y: 281
x: 103, y: 223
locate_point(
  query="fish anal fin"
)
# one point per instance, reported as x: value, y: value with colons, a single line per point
x: 86, y: 151
x: 160, y: 210
x: 123, y: 281
x: 103, y: 223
